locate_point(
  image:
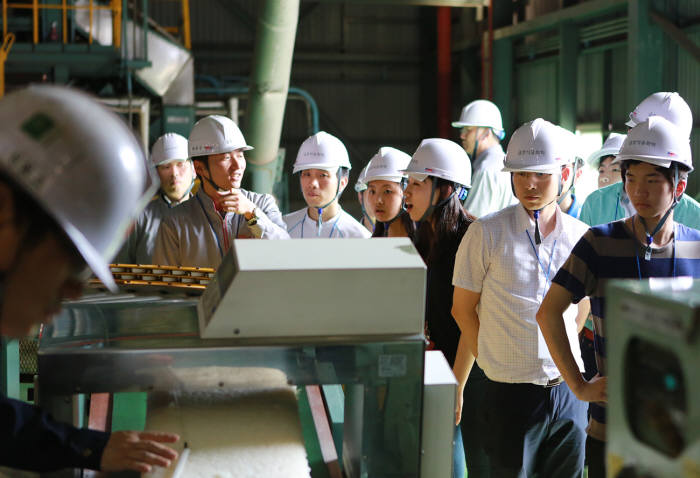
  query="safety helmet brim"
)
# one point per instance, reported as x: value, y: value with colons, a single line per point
x: 324, y: 167
x: 601, y: 153
x: 392, y: 178
x: 548, y: 169
x: 498, y: 132
x: 656, y: 161
x: 92, y: 258
x: 173, y: 160
x: 194, y: 153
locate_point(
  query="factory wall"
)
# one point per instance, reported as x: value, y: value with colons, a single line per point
x: 604, y: 96
x: 363, y: 64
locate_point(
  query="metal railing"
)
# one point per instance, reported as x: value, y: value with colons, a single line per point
x: 117, y: 8
x: 7, y: 43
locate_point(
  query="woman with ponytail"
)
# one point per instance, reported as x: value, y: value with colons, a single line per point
x: 439, y: 177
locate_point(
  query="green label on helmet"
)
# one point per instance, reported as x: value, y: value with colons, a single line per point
x: 37, y: 126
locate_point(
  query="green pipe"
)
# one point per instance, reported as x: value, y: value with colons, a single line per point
x: 269, y: 84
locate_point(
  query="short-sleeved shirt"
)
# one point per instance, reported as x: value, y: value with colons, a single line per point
x: 195, y: 234
x: 491, y: 190
x: 610, y: 251
x: 497, y: 259
x: 610, y: 204
x: 342, y: 225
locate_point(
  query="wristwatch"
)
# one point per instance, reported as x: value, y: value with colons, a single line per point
x: 254, y: 218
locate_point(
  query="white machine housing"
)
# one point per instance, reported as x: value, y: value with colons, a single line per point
x: 316, y: 287
x: 439, y: 396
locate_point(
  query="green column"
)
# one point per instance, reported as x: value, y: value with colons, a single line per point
x: 9, y: 369
x: 503, y: 72
x: 272, y: 65
x: 568, y: 65
x: 645, y: 59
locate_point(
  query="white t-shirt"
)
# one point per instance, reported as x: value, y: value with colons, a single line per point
x: 342, y: 225
x: 497, y: 259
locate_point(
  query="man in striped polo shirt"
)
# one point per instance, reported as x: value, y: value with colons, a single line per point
x: 655, y: 161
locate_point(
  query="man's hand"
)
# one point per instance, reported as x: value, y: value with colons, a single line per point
x: 460, y: 404
x: 234, y: 201
x: 138, y: 451
x: 595, y: 390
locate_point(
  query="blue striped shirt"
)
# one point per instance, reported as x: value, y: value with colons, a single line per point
x: 608, y: 252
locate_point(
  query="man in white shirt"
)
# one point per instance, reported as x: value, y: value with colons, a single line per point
x: 481, y: 132
x: 199, y: 232
x: 532, y: 421
x: 324, y: 166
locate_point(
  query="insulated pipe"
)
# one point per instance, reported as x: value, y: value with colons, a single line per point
x: 444, y: 67
x: 269, y: 83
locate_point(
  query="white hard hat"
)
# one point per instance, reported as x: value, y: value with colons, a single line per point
x: 215, y: 134
x: 656, y: 141
x: 610, y: 148
x: 168, y: 148
x: 80, y: 163
x: 669, y: 105
x: 441, y: 158
x: 481, y: 113
x: 537, y: 146
x: 388, y: 165
x: 360, y: 184
x: 322, y: 151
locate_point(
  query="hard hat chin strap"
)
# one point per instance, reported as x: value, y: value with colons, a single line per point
x: 403, y: 183
x: 209, y: 179
x: 364, y: 211
x: 563, y: 195
x: 432, y: 207
x: 320, y: 209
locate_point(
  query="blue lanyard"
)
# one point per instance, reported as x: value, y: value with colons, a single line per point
x: 537, y: 255
x: 319, y: 228
x: 221, y: 251
x: 636, y: 255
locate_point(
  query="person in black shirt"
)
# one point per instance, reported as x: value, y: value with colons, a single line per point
x: 439, y: 177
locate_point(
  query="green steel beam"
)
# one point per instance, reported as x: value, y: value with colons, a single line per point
x: 503, y: 82
x: 568, y: 66
x: 238, y: 14
x: 678, y: 35
x: 644, y: 53
x: 269, y: 84
x: 578, y: 13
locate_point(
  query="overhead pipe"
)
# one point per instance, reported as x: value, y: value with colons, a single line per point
x: 219, y: 88
x: 444, y: 67
x: 269, y: 85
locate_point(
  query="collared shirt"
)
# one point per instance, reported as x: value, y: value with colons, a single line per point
x: 196, y: 235
x: 139, y: 246
x: 342, y: 225
x: 610, y: 203
x: 497, y: 259
x: 491, y: 190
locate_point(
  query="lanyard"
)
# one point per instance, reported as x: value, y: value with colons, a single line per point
x: 218, y: 244
x: 636, y: 254
x: 319, y: 229
x: 539, y: 261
